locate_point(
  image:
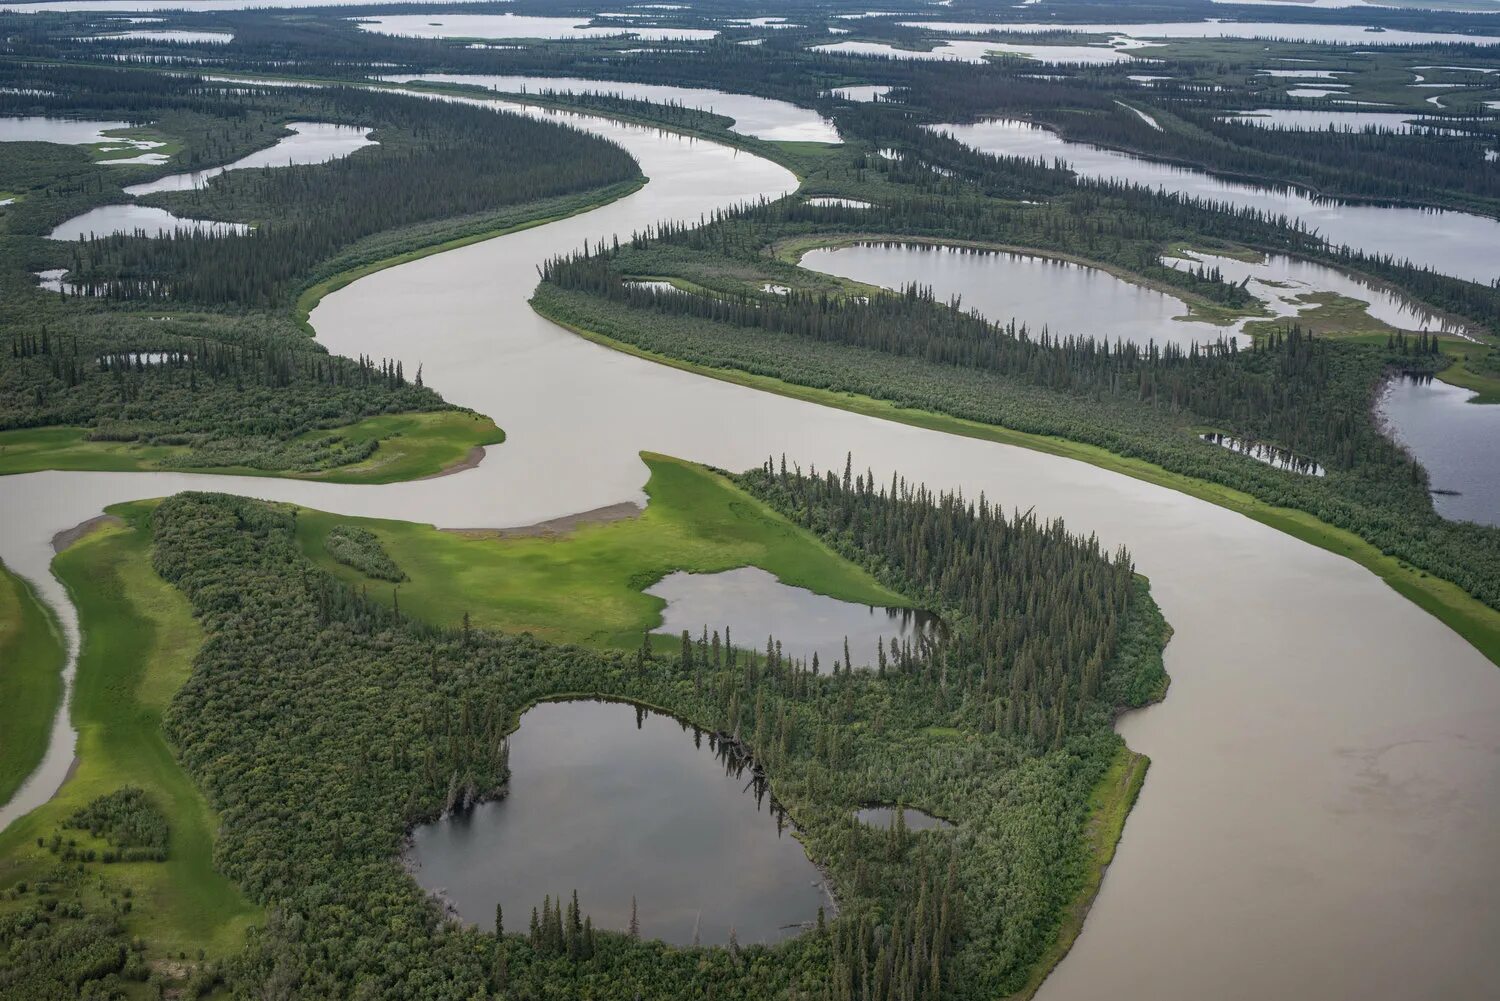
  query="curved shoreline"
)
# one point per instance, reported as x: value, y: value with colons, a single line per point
x: 1320, y: 669
x: 1476, y: 622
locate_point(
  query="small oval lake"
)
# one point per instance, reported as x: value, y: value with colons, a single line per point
x: 1068, y: 299
x: 1457, y: 441
x: 621, y: 803
x: 753, y: 604
x: 1271, y: 455
x: 911, y: 817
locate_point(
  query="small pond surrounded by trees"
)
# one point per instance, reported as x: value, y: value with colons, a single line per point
x: 637, y: 812
x: 753, y: 604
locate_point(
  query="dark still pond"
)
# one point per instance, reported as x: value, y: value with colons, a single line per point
x: 753, y: 604
x: 911, y: 817
x: 1457, y: 441
x: 1269, y: 454
x: 619, y: 803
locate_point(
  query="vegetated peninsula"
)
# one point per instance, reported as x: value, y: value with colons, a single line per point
x: 1004, y: 727
x: 274, y: 705
x: 183, y: 350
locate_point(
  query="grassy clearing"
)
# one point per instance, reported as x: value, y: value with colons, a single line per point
x: 1470, y: 618
x: 411, y: 446
x: 1109, y: 805
x: 139, y: 640
x: 1466, y: 373
x: 586, y: 586
x: 31, y: 662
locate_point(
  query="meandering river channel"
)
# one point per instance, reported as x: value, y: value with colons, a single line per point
x: 1321, y: 812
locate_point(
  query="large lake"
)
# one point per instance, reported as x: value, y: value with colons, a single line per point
x: 132, y: 219
x: 1324, y: 794
x: 969, y: 51
x: 1456, y: 243
x: 309, y: 142
x: 622, y: 804
x: 1328, y: 34
x: 66, y: 131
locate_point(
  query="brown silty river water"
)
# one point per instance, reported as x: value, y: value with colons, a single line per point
x: 1323, y: 810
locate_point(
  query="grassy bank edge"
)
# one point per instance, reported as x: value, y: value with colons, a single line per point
x: 411, y: 445
x: 84, y: 455
x: 1111, y: 802
x: 696, y: 520
x: 1476, y: 622
x: 138, y: 641
x: 32, y: 657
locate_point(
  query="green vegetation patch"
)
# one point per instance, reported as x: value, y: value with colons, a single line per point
x: 697, y: 521
x: 373, y: 720
x: 394, y: 447
x: 361, y: 549
x: 31, y: 662
x: 139, y: 639
x: 129, y: 821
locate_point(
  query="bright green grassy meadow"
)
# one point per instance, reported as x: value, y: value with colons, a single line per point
x: 139, y: 640
x: 31, y: 663
x: 411, y: 446
x: 586, y: 586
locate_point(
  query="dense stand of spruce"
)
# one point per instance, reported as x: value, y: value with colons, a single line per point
x: 300, y: 673
x: 229, y: 375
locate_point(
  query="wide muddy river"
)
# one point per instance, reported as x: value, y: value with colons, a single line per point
x: 1321, y: 814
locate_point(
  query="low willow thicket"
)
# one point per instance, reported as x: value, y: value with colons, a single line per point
x: 314, y: 710
x: 227, y: 373
x: 360, y: 548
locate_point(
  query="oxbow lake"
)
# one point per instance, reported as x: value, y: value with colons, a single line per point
x: 760, y: 117
x: 1067, y: 299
